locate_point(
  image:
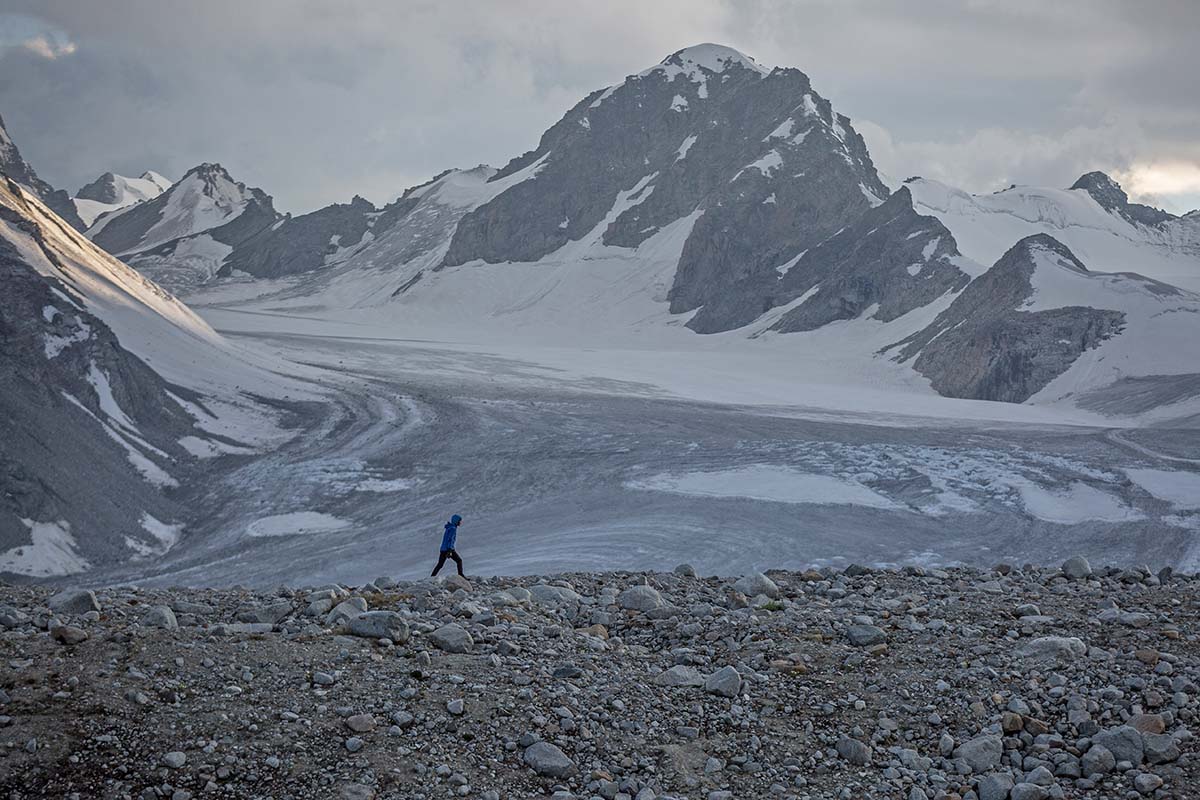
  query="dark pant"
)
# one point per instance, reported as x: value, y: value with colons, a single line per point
x: 442, y: 560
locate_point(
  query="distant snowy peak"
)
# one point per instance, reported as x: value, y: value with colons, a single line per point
x: 1109, y: 194
x: 711, y: 58
x: 17, y: 168
x: 112, y: 192
x: 1093, y: 219
x: 187, y: 229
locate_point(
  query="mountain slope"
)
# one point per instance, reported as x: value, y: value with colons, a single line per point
x: 706, y: 130
x: 111, y: 192
x: 17, y: 168
x: 1040, y: 321
x: 111, y: 389
x: 183, y: 235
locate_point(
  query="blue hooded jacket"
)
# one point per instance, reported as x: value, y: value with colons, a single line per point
x: 451, y: 534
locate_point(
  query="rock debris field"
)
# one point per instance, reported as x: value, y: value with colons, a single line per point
x: 1016, y: 683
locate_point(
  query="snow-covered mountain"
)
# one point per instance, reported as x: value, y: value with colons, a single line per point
x: 185, y: 233
x: 112, y: 391
x: 710, y: 194
x: 1039, y: 322
x: 1093, y: 218
x: 17, y: 168
x: 111, y: 192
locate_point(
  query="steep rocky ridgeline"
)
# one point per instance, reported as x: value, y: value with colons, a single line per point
x: 17, y: 168
x: 1004, y: 684
x: 892, y: 258
x: 986, y: 346
x: 301, y: 244
x: 1109, y: 194
x: 89, y: 435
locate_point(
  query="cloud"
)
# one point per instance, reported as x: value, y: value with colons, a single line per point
x: 315, y: 101
x: 33, y: 35
x: 46, y: 47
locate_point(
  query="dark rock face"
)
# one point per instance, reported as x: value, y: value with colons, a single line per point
x: 984, y: 347
x: 17, y: 168
x: 1109, y: 194
x: 61, y: 456
x: 891, y: 257
x: 301, y: 244
x: 102, y: 190
x: 765, y: 159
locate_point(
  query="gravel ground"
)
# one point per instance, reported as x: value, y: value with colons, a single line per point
x: 1013, y: 682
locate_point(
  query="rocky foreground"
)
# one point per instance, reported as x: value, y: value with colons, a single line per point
x: 1020, y: 683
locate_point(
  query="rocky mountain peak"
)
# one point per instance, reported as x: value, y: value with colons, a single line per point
x: 103, y: 190
x: 17, y: 168
x: 1106, y: 191
x: 1109, y: 194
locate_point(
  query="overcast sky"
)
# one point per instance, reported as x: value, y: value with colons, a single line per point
x: 317, y: 100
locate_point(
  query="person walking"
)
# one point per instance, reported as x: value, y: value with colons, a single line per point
x: 449, y: 537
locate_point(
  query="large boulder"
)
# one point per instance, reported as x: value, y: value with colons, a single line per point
x: 640, y: 598
x: 379, y: 625
x: 1124, y: 742
x: 865, y: 635
x: 74, y: 601
x: 1098, y: 760
x: 854, y: 751
x: 679, y: 675
x: 548, y: 761
x: 271, y: 612
x: 160, y: 617
x: 981, y: 753
x: 725, y: 682
x: 1077, y: 567
x: 995, y: 786
x: 548, y: 595
x: 756, y: 583
x: 344, y: 610
x: 1052, y: 648
x: 452, y: 638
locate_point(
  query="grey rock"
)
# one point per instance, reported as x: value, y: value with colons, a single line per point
x: 361, y: 723
x: 1124, y: 742
x: 74, y: 601
x: 981, y: 753
x: 1146, y: 782
x: 755, y: 584
x: 69, y: 634
x: 1159, y: 748
x: 272, y: 613
x: 725, y: 682
x: 174, y: 759
x: 548, y: 595
x: 1028, y: 791
x: 347, y: 609
x: 160, y: 617
x: 1077, y: 567
x: 452, y: 638
x: 865, y: 635
x: 547, y: 760
x: 994, y: 786
x: 379, y: 625
x: 640, y: 598
x: 1098, y: 760
x: 680, y: 675
x: 1052, y: 648
x: 854, y: 751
